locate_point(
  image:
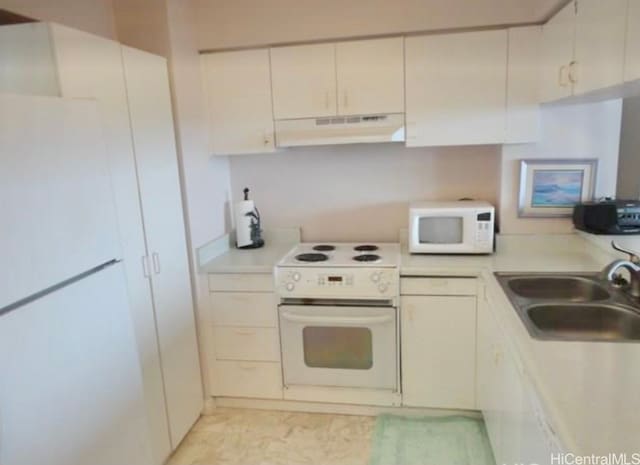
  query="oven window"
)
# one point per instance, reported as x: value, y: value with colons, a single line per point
x: 440, y: 230
x: 336, y: 347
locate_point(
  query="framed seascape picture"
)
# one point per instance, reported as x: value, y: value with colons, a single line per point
x: 551, y: 188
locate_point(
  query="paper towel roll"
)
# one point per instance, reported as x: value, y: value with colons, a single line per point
x: 243, y: 222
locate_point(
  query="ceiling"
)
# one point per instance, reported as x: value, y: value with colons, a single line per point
x: 246, y: 23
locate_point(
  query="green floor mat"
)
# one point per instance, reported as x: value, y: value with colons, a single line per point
x: 430, y: 441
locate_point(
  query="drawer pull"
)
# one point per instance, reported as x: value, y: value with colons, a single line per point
x: 241, y: 332
x: 247, y: 367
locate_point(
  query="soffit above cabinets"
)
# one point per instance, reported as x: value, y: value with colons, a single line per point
x: 223, y: 24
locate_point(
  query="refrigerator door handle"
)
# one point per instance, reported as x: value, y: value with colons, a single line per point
x: 156, y: 262
x: 145, y: 266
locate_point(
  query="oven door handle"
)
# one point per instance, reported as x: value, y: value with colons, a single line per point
x: 373, y: 320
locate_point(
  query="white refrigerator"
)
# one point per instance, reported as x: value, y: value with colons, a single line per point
x: 70, y: 378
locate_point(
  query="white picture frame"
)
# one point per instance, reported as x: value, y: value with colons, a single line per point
x: 551, y: 188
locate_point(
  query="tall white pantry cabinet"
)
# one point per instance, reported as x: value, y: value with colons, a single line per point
x: 132, y: 90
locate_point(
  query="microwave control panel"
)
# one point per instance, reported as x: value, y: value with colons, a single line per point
x: 484, y: 228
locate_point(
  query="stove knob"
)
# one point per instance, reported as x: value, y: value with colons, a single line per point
x: 290, y: 287
x: 296, y: 276
x: 375, y: 277
x: 382, y: 287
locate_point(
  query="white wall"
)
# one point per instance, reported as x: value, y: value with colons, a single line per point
x: 95, y: 16
x: 235, y: 23
x: 629, y: 169
x: 568, y: 131
x: 360, y: 192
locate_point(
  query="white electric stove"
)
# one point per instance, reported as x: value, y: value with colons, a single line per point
x: 338, y: 309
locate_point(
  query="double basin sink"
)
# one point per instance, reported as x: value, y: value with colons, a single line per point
x: 576, y: 307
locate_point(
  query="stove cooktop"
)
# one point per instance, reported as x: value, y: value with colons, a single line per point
x: 343, y: 255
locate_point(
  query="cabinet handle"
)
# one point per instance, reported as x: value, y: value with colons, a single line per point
x: 561, y: 76
x: 266, y: 138
x: 326, y: 100
x: 145, y: 266
x: 156, y: 262
x: 345, y: 99
x: 573, y: 72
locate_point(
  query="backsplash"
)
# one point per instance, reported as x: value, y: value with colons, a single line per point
x: 360, y: 192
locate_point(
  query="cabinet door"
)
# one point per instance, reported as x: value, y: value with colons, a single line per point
x: 632, y: 62
x: 558, y: 38
x: 438, y: 344
x: 238, y: 92
x: 600, y: 42
x: 304, y: 81
x: 370, y: 76
x: 91, y: 67
x: 155, y: 150
x: 523, y: 110
x: 456, y: 88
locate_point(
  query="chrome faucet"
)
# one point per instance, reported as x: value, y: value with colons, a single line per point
x: 610, y: 272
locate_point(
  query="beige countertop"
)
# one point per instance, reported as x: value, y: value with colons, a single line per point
x: 530, y: 253
x: 248, y: 261
x: 568, y: 252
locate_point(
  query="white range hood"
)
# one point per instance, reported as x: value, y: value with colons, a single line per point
x: 340, y: 130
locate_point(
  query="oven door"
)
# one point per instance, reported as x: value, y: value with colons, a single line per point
x: 339, y: 346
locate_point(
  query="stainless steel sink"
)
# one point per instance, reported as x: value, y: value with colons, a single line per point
x: 572, y: 288
x: 572, y: 307
x: 586, y: 322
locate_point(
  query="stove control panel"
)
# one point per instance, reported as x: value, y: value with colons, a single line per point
x: 360, y: 283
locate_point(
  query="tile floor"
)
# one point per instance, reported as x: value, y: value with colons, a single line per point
x: 258, y: 437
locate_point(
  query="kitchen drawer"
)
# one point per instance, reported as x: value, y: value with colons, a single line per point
x: 258, y: 310
x: 248, y: 282
x: 259, y: 380
x: 249, y: 344
x: 438, y: 286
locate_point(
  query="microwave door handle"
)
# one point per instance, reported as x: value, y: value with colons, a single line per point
x: 374, y: 320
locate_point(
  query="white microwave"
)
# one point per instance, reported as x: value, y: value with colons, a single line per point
x: 461, y: 227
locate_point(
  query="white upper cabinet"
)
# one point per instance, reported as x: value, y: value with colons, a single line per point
x: 600, y: 45
x: 632, y: 61
x: 583, y: 48
x: 238, y: 92
x: 370, y: 76
x: 455, y: 86
x: 523, y: 110
x: 558, y: 38
x: 304, y: 81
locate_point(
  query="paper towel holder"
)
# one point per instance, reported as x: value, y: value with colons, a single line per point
x: 248, y: 224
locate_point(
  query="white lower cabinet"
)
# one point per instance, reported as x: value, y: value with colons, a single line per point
x: 518, y: 429
x: 244, y: 350
x: 438, y: 350
x: 256, y: 380
x: 259, y: 344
